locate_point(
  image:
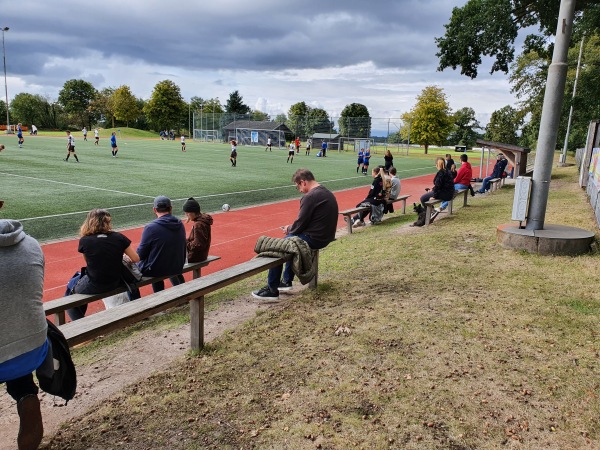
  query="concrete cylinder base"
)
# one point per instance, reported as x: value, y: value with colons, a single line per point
x: 552, y: 240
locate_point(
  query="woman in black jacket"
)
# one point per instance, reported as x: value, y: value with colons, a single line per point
x: 443, y: 184
x: 376, y: 196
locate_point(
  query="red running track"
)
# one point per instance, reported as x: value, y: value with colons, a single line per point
x: 234, y: 235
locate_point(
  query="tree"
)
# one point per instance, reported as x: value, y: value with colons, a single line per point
x: 297, y: 115
x: 490, y: 27
x: 235, y: 104
x: 465, y: 125
x: 124, y: 105
x: 76, y: 98
x: 102, y: 106
x: 355, y: 121
x: 260, y: 116
x: 166, y: 107
x: 28, y: 108
x: 430, y: 119
x: 503, y: 126
x: 318, y: 122
x: 280, y: 118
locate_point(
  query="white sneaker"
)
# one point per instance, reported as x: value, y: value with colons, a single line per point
x: 358, y: 223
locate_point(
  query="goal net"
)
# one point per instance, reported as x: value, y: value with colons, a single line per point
x: 207, y: 135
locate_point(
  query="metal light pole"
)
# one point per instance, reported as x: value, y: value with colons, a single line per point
x: 4, y: 30
x: 553, y: 99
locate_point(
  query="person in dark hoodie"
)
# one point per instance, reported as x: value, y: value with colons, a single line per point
x: 24, y: 347
x: 162, y: 249
x: 198, y: 241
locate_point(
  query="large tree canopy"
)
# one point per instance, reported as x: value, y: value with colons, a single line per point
x: 166, y: 106
x: 76, y: 98
x: 490, y: 27
x: 355, y: 121
x: 235, y: 104
x: 430, y: 119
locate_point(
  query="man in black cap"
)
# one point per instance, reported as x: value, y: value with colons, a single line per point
x: 496, y: 173
x: 162, y: 247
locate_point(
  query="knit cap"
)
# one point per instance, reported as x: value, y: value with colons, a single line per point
x: 191, y: 205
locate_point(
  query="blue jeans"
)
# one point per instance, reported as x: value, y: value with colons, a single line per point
x: 486, y: 185
x: 457, y: 186
x: 274, y: 276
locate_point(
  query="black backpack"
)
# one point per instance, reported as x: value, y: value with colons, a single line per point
x: 63, y: 381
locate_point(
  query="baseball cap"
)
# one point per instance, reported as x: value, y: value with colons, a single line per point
x: 162, y: 202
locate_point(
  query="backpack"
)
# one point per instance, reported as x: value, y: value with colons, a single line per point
x: 63, y: 381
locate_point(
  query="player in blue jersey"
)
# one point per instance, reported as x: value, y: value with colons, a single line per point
x: 366, y: 158
x: 359, y: 163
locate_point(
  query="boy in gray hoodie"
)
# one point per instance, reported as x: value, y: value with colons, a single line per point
x: 23, y: 341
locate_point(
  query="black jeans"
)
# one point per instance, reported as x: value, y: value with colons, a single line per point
x: 85, y: 286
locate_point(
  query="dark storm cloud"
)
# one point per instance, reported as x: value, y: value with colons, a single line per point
x: 259, y: 35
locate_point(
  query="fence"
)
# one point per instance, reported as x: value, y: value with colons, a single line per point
x: 343, y: 130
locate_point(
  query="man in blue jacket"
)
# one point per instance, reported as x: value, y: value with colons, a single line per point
x: 496, y: 173
x: 162, y: 248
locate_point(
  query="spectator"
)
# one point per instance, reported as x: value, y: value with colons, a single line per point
x: 162, y: 249
x: 497, y: 172
x: 103, y: 250
x: 315, y: 224
x: 23, y: 341
x: 375, y: 197
x: 394, y: 191
x: 443, y: 186
x: 389, y: 160
x: 462, y: 180
x: 449, y: 161
x: 198, y: 241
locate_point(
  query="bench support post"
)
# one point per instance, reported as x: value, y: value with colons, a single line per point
x: 197, y: 323
x: 59, y: 318
x: 312, y: 284
x: 465, y: 197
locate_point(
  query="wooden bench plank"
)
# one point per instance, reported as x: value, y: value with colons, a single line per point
x: 60, y: 305
x: 348, y: 213
x: 112, y: 319
x: 434, y: 201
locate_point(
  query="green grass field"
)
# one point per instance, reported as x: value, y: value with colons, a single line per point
x: 51, y: 196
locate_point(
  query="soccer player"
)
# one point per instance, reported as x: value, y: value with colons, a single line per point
x: 366, y: 158
x: 96, y: 136
x: 291, y: 152
x: 113, y: 144
x: 361, y: 154
x: 20, y: 135
x: 269, y: 145
x: 297, y: 142
x: 84, y: 131
x: 324, y: 149
x: 308, y: 146
x: 182, y: 143
x: 71, y: 146
x: 233, y: 157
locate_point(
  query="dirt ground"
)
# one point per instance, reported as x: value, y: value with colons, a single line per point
x: 148, y: 351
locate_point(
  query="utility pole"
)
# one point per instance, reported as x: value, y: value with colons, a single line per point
x: 553, y: 99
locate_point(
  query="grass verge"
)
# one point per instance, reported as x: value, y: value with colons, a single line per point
x: 431, y: 338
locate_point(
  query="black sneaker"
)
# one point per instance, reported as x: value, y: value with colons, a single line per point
x: 285, y: 286
x: 266, y: 294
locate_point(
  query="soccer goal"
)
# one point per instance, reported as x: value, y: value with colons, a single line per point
x: 206, y: 135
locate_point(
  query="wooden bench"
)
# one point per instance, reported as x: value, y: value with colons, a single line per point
x: 60, y: 305
x: 350, y: 212
x: 193, y: 291
x: 495, y: 184
x: 435, y: 201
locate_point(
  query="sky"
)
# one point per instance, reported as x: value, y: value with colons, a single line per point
x: 327, y: 53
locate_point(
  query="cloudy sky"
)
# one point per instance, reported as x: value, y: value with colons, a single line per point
x: 328, y: 53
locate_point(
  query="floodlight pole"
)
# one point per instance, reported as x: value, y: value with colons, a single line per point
x: 563, y: 157
x: 4, y: 30
x: 553, y: 99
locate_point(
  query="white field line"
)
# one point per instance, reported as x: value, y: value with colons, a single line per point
x: 152, y: 197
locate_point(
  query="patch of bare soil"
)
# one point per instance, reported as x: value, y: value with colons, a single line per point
x: 146, y: 352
